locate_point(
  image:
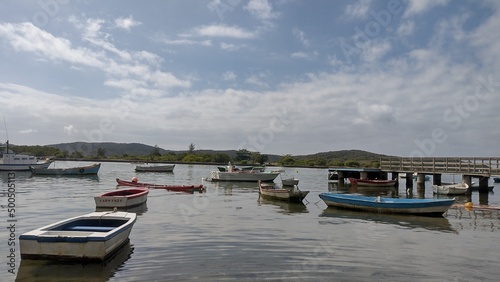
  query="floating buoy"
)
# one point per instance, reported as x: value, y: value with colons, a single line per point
x: 468, y: 205
x: 134, y: 179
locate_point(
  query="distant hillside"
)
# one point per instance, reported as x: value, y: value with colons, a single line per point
x: 112, y: 149
x: 137, y: 149
x: 343, y: 155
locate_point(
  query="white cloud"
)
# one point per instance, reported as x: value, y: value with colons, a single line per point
x: 70, y: 130
x: 220, y: 30
x: 229, y: 47
x: 416, y: 7
x: 406, y: 28
x: 261, y: 9
x: 28, y: 131
x: 258, y: 79
x: 126, y: 23
x: 25, y: 37
x: 229, y: 75
x: 299, y: 34
x: 128, y: 66
x: 304, y: 55
x: 375, y: 50
x: 359, y: 9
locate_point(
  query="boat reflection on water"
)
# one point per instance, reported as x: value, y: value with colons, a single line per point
x: 375, y: 191
x: 227, y: 187
x: 139, y: 210
x: 51, y: 270
x: 404, y: 221
x: 284, y: 207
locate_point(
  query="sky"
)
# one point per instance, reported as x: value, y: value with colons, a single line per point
x: 414, y: 78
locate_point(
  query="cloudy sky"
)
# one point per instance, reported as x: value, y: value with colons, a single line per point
x: 406, y: 78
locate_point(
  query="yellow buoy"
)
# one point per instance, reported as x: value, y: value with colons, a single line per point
x: 468, y: 205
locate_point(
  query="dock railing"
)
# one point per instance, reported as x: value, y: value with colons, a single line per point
x: 453, y: 165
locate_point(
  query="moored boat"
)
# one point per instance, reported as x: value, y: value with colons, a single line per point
x: 155, y: 168
x: 372, y: 182
x: 231, y: 173
x: 242, y: 176
x: 177, y: 188
x: 90, y: 237
x: 496, y: 179
x: 290, y: 181
x: 125, y: 198
x: 450, y: 188
x: 19, y: 162
x: 79, y: 170
x: 426, y: 207
x: 291, y: 194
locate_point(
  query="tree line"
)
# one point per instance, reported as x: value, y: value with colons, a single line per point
x: 242, y: 156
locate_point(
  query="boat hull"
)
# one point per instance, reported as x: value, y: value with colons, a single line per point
x: 288, y: 195
x: 24, y: 167
x: 78, y: 238
x: 426, y: 207
x: 126, y: 198
x: 176, y: 188
x: 81, y: 170
x: 242, y: 176
x: 290, y: 182
x: 158, y: 168
x: 372, y: 183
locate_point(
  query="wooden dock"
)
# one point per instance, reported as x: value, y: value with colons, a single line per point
x: 473, y: 167
x: 469, y: 168
x: 480, y: 167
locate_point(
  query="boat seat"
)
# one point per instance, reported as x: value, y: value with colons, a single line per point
x: 90, y: 228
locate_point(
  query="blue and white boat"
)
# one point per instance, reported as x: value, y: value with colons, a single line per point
x: 90, y: 237
x: 427, y: 207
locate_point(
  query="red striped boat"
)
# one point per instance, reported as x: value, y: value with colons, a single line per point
x: 125, y: 198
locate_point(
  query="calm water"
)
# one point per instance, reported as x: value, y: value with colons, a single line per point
x: 229, y: 234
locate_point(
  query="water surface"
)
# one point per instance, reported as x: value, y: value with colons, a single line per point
x: 230, y: 234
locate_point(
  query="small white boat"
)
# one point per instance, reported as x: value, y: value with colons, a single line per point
x: 70, y: 171
x: 242, y: 176
x: 155, y: 168
x: 290, y: 181
x: 231, y: 174
x: 124, y: 198
x: 450, y: 188
x: 18, y: 162
x: 90, y: 237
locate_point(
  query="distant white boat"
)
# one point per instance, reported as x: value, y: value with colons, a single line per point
x: 155, y: 168
x: 18, y: 162
x: 450, y: 188
x: 290, y: 181
x: 233, y: 174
